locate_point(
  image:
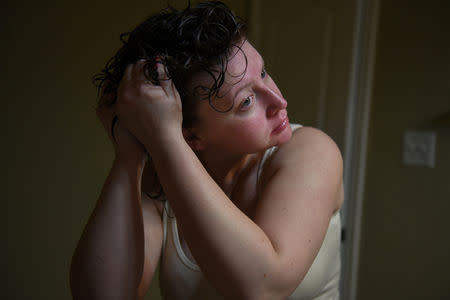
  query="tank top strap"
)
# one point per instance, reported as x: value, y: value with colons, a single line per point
x: 295, y: 126
x: 167, y: 214
x: 268, y: 153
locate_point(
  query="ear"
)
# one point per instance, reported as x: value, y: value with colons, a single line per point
x: 193, y: 139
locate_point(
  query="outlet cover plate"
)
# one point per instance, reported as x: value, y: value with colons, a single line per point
x: 419, y: 148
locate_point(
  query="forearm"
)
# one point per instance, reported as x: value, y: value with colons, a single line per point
x: 233, y: 252
x: 107, y: 263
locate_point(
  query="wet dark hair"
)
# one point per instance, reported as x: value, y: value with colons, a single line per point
x: 196, y: 39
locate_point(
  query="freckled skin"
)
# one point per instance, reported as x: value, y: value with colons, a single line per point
x: 246, y: 130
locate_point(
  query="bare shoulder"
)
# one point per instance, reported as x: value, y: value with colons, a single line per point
x: 301, y: 189
x: 308, y: 145
x: 309, y: 161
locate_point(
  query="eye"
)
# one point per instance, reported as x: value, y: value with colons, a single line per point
x: 246, y: 103
x: 263, y: 73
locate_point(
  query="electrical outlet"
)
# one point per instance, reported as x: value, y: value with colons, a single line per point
x: 419, y: 148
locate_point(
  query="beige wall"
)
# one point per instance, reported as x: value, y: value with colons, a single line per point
x: 56, y: 154
x: 405, y: 234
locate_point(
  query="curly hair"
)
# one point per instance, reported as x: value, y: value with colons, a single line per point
x: 188, y: 41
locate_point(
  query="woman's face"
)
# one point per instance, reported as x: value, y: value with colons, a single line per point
x: 258, y: 118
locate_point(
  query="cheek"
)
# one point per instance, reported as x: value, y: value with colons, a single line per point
x: 250, y: 129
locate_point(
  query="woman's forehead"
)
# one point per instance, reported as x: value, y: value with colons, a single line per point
x: 244, y: 61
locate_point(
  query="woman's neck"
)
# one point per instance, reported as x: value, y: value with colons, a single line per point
x: 225, y: 170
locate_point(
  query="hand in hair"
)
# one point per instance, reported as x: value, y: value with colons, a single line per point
x: 150, y: 111
x: 126, y: 146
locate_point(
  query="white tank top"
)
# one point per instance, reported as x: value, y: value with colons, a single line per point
x: 182, y: 279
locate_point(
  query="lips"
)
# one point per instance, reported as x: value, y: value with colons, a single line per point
x: 283, y: 124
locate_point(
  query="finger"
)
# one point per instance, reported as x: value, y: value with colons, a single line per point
x: 125, y: 81
x: 106, y: 99
x: 106, y: 95
x: 138, y: 71
x: 105, y: 115
x: 113, y: 125
x: 127, y: 74
x: 164, y: 81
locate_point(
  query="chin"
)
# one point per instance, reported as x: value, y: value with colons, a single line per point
x: 284, y: 137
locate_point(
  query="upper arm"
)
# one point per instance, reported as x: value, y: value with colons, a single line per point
x: 301, y: 188
x: 153, y: 234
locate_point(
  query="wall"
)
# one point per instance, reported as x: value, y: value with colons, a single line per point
x: 57, y: 156
x: 405, y: 240
x: 55, y: 151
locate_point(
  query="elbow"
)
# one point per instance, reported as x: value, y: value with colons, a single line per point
x: 265, y: 293
x: 277, y: 285
x: 268, y: 289
x: 268, y: 293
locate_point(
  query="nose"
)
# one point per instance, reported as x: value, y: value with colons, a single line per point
x: 275, y: 102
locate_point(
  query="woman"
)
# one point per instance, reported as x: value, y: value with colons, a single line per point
x: 242, y: 207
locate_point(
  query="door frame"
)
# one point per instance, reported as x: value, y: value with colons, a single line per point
x: 356, y: 140
x: 356, y: 130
